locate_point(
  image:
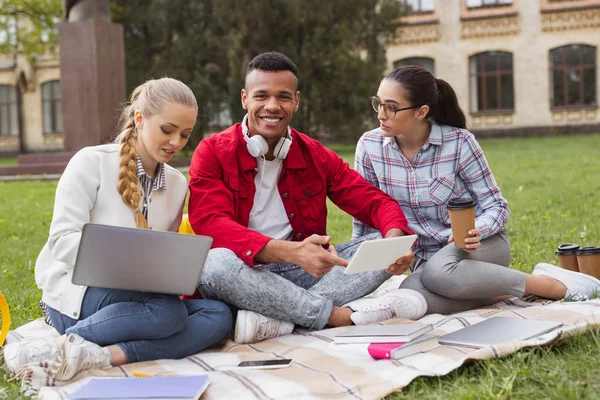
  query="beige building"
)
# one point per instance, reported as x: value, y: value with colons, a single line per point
x: 30, y: 105
x: 518, y: 66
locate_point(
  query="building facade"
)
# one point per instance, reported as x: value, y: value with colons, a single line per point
x: 30, y: 105
x: 519, y: 67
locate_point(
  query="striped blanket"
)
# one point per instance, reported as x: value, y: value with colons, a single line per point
x: 322, y: 370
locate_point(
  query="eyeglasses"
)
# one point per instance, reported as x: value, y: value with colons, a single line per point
x: 388, y: 109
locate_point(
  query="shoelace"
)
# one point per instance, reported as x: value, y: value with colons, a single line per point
x: 268, y: 328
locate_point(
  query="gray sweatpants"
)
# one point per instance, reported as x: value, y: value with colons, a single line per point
x: 454, y: 280
x: 286, y: 291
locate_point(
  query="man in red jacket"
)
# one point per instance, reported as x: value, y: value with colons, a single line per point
x: 259, y: 189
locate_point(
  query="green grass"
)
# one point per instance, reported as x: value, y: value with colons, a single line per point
x: 8, y: 161
x: 552, y: 187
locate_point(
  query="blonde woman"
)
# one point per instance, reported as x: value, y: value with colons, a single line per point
x: 127, y: 183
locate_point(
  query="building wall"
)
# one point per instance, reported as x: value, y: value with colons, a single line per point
x: 29, y: 77
x: 528, y: 29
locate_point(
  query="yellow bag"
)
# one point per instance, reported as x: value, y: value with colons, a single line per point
x: 4, y: 311
x: 185, y: 226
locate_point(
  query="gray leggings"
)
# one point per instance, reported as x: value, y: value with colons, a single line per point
x: 454, y: 280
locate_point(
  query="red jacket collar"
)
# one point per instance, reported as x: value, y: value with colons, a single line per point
x: 294, y: 159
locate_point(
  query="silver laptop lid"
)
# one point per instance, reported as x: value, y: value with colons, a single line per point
x: 140, y: 259
x: 498, y: 330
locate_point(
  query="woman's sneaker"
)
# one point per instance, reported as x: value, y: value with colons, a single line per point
x: 399, y: 303
x: 251, y: 327
x: 76, y: 355
x: 27, y: 351
x: 579, y: 286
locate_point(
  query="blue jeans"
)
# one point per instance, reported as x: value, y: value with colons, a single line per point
x: 147, y: 326
x: 286, y: 291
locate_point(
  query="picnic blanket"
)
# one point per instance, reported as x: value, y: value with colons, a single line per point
x: 322, y: 370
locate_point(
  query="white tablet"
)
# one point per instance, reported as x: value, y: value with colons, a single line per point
x: 379, y: 254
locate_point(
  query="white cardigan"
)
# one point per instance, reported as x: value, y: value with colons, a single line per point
x: 87, y: 192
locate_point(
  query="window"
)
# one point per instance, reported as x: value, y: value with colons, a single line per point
x: 9, y: 112
x: 418, y: 6
x: 573, y: 74
x: 52, y: 107
x: 492, y: 86
x: 487, y: 3
x: 424, y: 62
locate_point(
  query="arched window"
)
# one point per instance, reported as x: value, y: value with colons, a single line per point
x: 9, y: 111
x: 424, y: 62
x: 573, y: 74
x: 492, y: 86
x: 52, y: 107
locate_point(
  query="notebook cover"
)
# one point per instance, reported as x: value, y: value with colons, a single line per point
x: 171, y: 387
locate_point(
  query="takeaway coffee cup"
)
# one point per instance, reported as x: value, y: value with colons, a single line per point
x: 588, y: 259
x: 462, y: 219
x: 567, y: 256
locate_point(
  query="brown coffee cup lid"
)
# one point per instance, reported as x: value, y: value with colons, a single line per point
x: 460, y: 204
x: 567, y: 248
x: 588, y: 251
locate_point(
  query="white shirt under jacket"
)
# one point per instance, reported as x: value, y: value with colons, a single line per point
x: 87, y: 192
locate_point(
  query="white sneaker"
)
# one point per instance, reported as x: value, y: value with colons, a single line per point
x: 579, y: 286
x: 76, y: 355
x: 28, y: 351
x: 399, y: 303
x: 252, y: 327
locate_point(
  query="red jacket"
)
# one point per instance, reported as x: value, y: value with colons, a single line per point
x: 222, y: 192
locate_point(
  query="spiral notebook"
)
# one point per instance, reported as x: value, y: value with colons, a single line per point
x: 155, y: 388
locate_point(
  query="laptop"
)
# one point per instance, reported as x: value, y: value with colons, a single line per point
x: 498, y: 330
x: 379, y: 253
x: 140, y: 259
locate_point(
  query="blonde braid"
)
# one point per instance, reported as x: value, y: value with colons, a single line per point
x: 128, y: 181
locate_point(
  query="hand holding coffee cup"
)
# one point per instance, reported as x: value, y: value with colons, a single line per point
x: 462, y: 221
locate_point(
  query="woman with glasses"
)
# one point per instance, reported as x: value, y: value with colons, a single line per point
x: 423, y: 156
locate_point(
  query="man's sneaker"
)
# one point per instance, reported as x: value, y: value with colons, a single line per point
x: 27, y: 351
x: 252, y: 327
x: 76, y: 355
x: 399, y: 303
x: 579, y: 286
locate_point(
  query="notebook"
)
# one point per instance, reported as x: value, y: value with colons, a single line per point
x: 140, y: 259
x: 155, y: 388
x: 498, y: 330
x: 379, y: 253
x: 398, y: 350
x: 381, y: 333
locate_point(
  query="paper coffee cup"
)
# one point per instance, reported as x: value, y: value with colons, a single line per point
x: 588, y: 259
x: 462, y: 219
x: 567, y: 256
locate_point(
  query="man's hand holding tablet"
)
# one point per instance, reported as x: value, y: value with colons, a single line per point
x: 392, y: 253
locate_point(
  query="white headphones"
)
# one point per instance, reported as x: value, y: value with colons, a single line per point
x: 257, y: 145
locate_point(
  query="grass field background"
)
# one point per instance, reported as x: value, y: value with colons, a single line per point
x: 552, y: 185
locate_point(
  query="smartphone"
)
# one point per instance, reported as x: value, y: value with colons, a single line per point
x: 266, y: 364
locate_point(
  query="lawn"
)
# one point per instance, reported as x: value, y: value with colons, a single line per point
x: 552, y: 186
x: 8, y: 160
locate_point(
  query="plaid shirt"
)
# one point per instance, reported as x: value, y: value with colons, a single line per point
x: 449, y: 165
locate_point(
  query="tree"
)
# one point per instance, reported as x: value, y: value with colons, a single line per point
x: 338, y: 46
x: 29, y: 27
